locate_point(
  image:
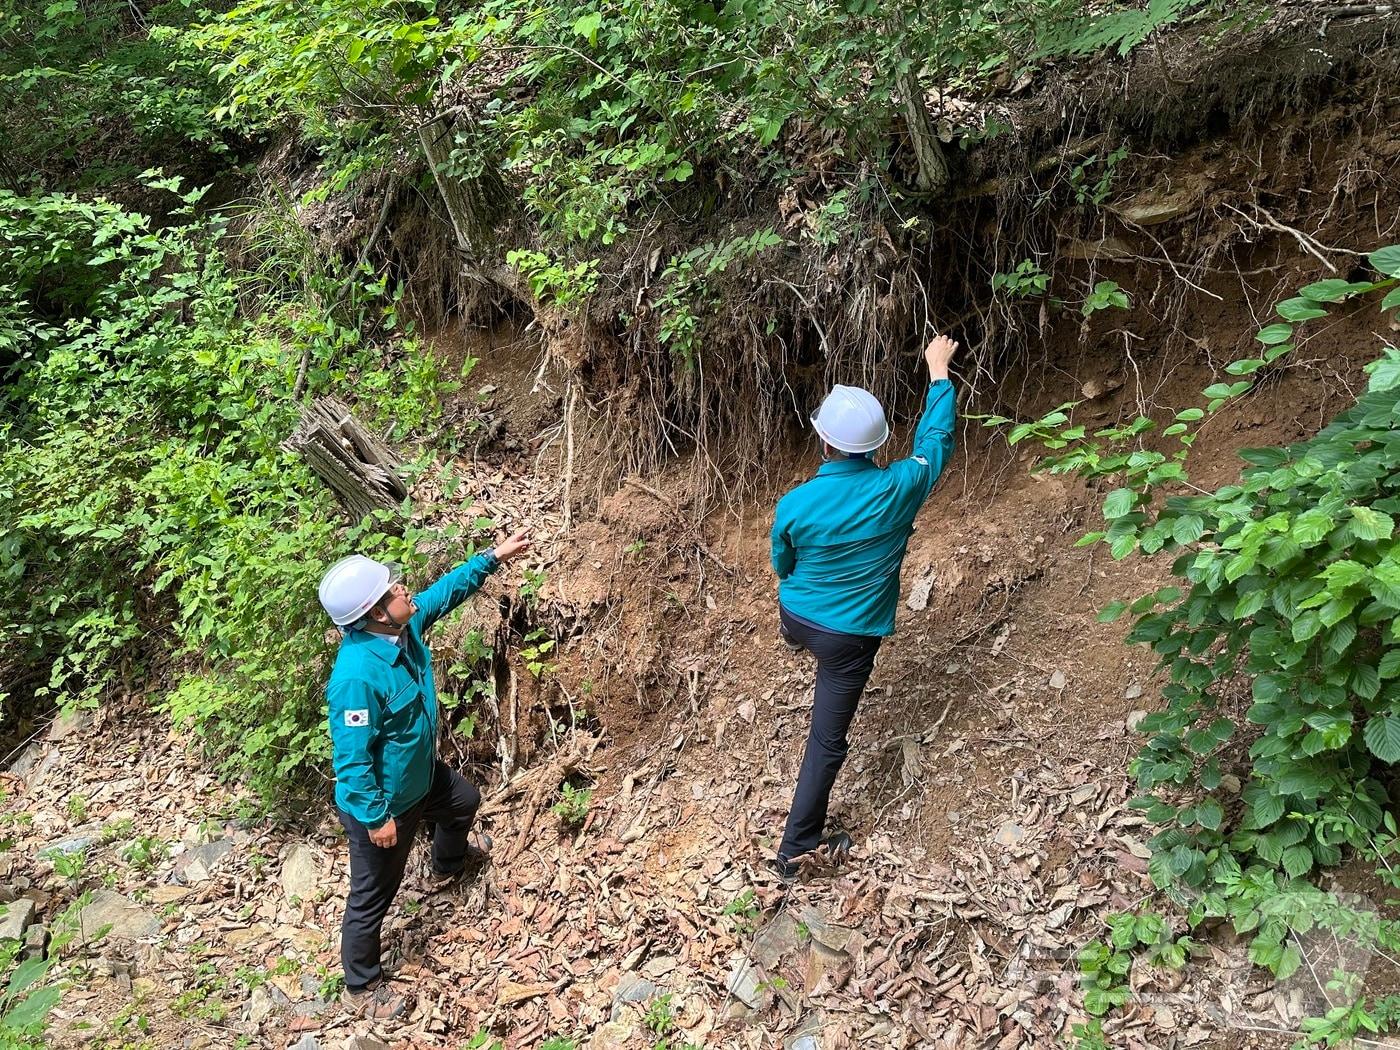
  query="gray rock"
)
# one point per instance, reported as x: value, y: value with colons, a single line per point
x: 804, y: 1042
x: 80, y: 841
x: 632, y: 989
x: 301, y: 872
x: 366, y: 1042
x: 196, y: 865
x: 655, y: 969
x: 311, y: 1008
x: 807, y: 1034
x: 615, y: 1035
x: 743, y: 983
x: 124, y: 917
x: 27, y: 760
x: 36, y: 942
x: 70, y: 722
x: 835, y: 937
x: 775, y: 940
x: 306, y: 1042
x: 266, y: 1000
x: 16, y: 919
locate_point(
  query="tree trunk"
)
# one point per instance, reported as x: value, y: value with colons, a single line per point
x: 473, y: 204
x: 928, y: 151
x: 358, y: 467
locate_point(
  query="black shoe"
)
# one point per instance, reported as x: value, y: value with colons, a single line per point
x: 787, y: 870
x: 838, y: 845
x: 792, y: 646
x: 474, y: 860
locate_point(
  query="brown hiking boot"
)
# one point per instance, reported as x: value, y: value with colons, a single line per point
x: 378, y: 1002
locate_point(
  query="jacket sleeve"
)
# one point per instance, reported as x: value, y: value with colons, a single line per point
x: 933, y: 444
x: 452, y: 590
x: 356, y: 714
x: 783, y: 554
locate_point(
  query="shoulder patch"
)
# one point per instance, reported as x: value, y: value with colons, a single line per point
x: 357, y: 718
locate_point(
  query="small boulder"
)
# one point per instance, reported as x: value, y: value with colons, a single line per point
x: 632, y: 989
x: 197, y: 864
x: 743, y: 983
x: 18, y: 914
x: 365, y: 1042
x: 125, y: 918
x: 266, y: 1000
x: 301, y: 872
x: 70, y: 722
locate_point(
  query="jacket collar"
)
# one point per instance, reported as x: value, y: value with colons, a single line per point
x: 834, y: 467
x: 378, y: 645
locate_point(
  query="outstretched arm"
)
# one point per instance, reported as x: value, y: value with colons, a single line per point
x: 933, y: 439
x: 465, y: 580
x: 783, y: 553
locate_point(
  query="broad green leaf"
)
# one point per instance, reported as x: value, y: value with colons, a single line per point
x: 587, y: 26
x: 1368, y: 524
x: 1389, y: 666
x: 1333, y: 290
x: 1188, y: 528
x: 1297, y: 861
x: 1118, y: 503
x: 1299, y: 309
x: 1114, y: 610
x: 1386, y: 260
x: 1391, y: 300
x: 1275, y: 333
x: 1382, y: 736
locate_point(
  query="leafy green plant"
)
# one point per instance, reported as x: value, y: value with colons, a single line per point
x: 77, y: 808
x: 145, y: 852
x: 1026, y: 281
x: 25, y: 1008
x: 572, y: 807
x: 744, y: 910
x: 552, y: 283
x: 1289, y: 589
x: 660, y: 1016
x: 69, y: 866
x: 535, y: 652
x: 1105, y: 296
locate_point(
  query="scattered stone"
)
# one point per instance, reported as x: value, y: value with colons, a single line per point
x: 632, y: 989
x: 71, y: 721
x: 196, y: 865
x: 743, y: 983
x: 169, y: 894
x: 266, y: 1000
x: 1149, y: 208
x: 1058, y: 680
x: 1135, y: 719
x: 1093, y: 389
x: 1010, y: 834
x: 301, y: 873
x: 807, y: 1034
x: 657, y: 968
x: 365, y: 1042
x: 1132, y: 692
x: 27, y: 760
x: 79, y: 842
x: 615, y: 1035
x: 18, y: 914
x: 1108, y: 248
x: 1083, y: 794
x: 837, y: 938
x: 124, y: 917
x: 775, y: 940
x: 311, y: 1009
x: 306, y: 1042
x: 36, y: 941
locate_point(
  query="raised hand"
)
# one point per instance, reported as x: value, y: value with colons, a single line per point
x: 937, y: 354
x: 518, y: 543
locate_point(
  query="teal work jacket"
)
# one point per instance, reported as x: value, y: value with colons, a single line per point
x: 384, y: 709
x: 839, y: 539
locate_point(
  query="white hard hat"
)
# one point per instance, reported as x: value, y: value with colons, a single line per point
x: 352, y: 585
x: 851, y: 419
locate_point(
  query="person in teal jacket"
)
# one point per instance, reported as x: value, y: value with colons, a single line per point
x: 838, y: 543
x: 383, y: 713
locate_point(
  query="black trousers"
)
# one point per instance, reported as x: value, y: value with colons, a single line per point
x: 375, y: 873
x: 844, y: 663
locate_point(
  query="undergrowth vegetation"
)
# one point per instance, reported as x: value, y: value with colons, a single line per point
x: 1279, y: 649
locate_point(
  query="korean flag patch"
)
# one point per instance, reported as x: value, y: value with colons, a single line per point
x: 357, y: 718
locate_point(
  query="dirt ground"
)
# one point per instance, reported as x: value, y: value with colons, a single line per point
x: 987, y: 785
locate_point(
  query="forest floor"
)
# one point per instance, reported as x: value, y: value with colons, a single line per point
x: 987, y: 787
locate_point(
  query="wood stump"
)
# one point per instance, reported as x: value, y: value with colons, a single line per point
x: 359, y: 468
